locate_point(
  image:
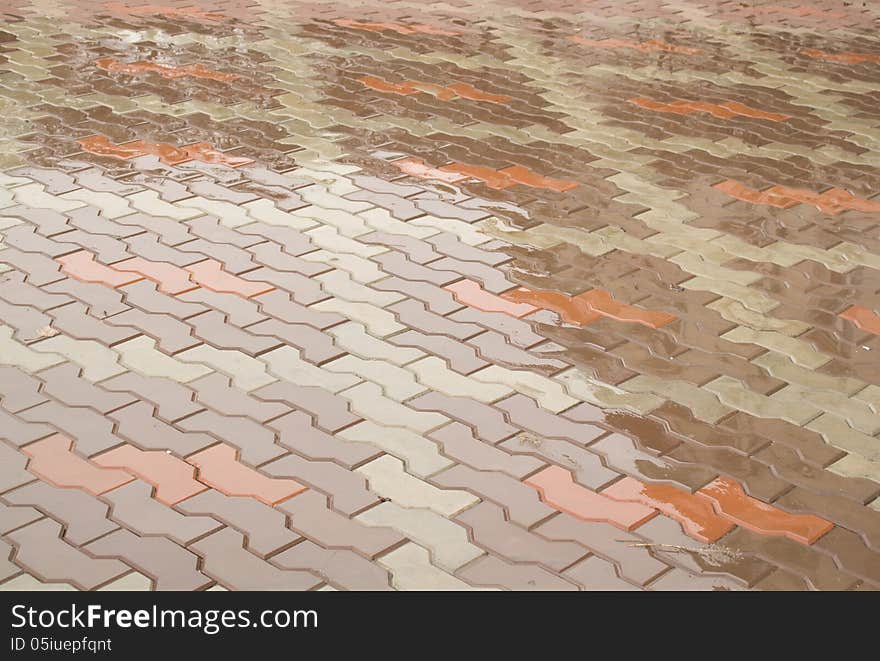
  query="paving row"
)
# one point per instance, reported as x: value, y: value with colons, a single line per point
x: 511, y: 294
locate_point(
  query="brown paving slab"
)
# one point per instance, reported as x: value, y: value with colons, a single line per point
x: 632, y: 561
x: 225, y: 560
x: 863, y: 317
x: 296, y: 431
x: 146, y: 296
x: 41, y: 551
x: 39, y: 269
x: 458, y: 442
x: 84, y: 515
x: 852, y: 554
x: 338, y: 567
x: 137, y: 424
x: 490, y: 530
x: 7, y: 568
x: 311, y: 516
x: 437, y: 299
x: 166, y: 71
x: 459, y: 357
x: 19, y: 389
x: 171, y: 566
x: 414, y: 315
x: 668, y: 542
x: 12, y: 517
x: 558, y: 489
x: 331, y: 412
x: 678, y: 580
x: 782, y: 581
x: 171, y: 279
x: 521, y: 502
x: 830, y: 202
x: 487, y: 421
x: 594, y: 574
x: 171, y: 399
x: 818, y: 569
x: 171, y: 335
x: 623, y: 454
x: 587, y: 468
x: 12, y: 468
x: 76, y: 321
x: 26, y: 238
x: 265, y: 528
x: 170, y: 154
x: 721, y: 111
x: 287, y: 308
x: 216, y: 391
x: 348, y: 491
x: 470, y: 293
x: 65, y: 383
x: 83, y: 266
x: 526, y: 413
x: 315, y: 346
x: 417, y: 250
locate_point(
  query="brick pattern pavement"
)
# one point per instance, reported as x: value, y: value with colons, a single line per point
x: 474, y: 295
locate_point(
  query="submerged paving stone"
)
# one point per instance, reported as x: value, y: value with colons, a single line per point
x: 524, y: 296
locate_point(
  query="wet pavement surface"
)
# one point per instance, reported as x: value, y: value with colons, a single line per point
x: 468, y: 295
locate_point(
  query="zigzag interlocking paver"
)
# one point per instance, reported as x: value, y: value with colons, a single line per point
x: 225, y: 559
x: 170, y: 566
x: 521, y: 502
x: 341, y: 567
x: 138, y: 424
x: 446, y: 541
x: 411, y: 569
x: 56, y: 461
x: 41, y: 551
x: 310, y: 516
x: 133, y: 506
x: 172, y: 478
x: 494, y: 571
x: 424, y: 297
x: 265, y: 527
x: 458, y: 442
x: 171, y: 400
x: 297, y: 432
x: 493, y: 532
x: 85, y: 517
